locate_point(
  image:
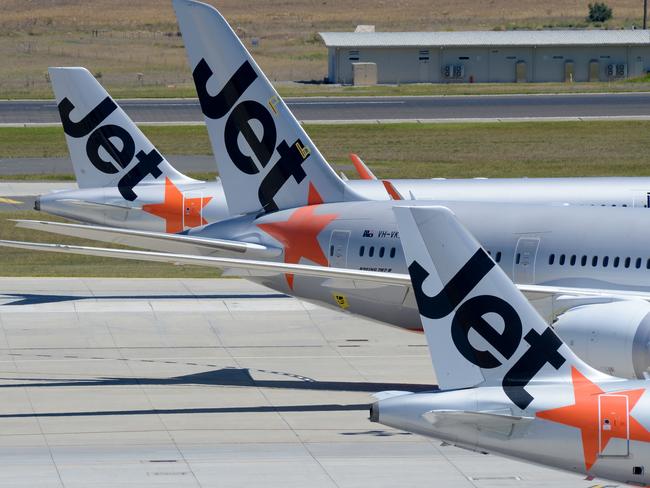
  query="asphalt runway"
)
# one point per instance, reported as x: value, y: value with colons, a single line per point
x: 151, y: 383
x: 374, y: 108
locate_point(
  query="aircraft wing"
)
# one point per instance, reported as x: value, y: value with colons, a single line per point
x: 248, y: 267
x: 560, y: 298
x: 157, y: 241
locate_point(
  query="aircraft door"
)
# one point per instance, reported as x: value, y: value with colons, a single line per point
x: 192, y: 209
x: 338, y: 249
x: 525, y: 254
x: 614, y: 426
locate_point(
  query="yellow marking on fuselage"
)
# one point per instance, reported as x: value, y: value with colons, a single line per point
x: 341, y: 300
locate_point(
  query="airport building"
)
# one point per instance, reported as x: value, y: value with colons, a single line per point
x: 489, y: 56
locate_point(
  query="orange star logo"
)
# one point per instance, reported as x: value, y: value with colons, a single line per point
x: 313, y: 197
x: 599, y: 415
x: 177, y: 211
x: 299, y: 236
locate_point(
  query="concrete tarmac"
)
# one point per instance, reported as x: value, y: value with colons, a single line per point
x: 372, y: 108
x: 212, y: 383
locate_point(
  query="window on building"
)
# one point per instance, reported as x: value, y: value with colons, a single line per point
x: 353, y: 55
x: 423, y: 55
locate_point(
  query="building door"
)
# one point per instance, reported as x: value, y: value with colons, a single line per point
x: 423, y: 60
x: 614, y: 426
x: 525, y: 254
x: 338, y: 251
x: 521, y: 73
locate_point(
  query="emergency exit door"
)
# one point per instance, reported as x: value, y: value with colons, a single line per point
x: 525, y: 254
x: 338, y: 251
x: 614, y: 425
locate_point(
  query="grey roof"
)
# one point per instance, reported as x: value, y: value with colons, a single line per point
x: 487, y: 38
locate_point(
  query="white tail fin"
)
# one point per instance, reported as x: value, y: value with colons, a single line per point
x: 265, y: 158
x: 480, y: 328
x: 106, y: 147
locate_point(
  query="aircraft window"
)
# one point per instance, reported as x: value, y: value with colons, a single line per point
x: 331, y: 250
x: 381, y: 252
x: 362, y: 250
x: 627, y: 262
x: 647, y: 264
x: 517, y: 258
x: 489, y: 252
x: 498, y: 256
x: 625, y: 205
x: 583, y: 261
x: 573, y: 260
x: 371, y: 251
x: 594, y: 261
x: 605, y: 261
x: 392, y: 252
x: 551, y: 259
x: 616, y: 261
x: 638, y: 263
x: 562, y: 258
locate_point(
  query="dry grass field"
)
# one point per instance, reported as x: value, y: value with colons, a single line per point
x: 133, y: 47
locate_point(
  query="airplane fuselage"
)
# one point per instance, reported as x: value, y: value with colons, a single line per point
x: 159, y: 208
x: 602, y: 436
x: 570, y: 246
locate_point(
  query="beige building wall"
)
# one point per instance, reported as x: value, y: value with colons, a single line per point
x: 489, y: 64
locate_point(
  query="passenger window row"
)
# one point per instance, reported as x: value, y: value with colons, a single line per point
x: 381, y: 252
x: 595, y: 261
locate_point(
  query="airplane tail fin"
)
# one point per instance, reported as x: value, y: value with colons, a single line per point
x: 480, y: 328
x: 266, y: 160
x: 106, y: 147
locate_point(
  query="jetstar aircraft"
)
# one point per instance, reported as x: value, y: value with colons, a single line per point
x: 508, y: 384
x: 125, y: 182
x: 592, y: 263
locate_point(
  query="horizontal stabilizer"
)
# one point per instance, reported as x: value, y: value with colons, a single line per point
x: 501, y: 422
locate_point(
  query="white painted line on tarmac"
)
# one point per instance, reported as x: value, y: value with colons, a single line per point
x: 349, y: 102
x: 444, y: 120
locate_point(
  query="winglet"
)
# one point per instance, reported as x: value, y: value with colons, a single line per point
x: 363, y: 170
